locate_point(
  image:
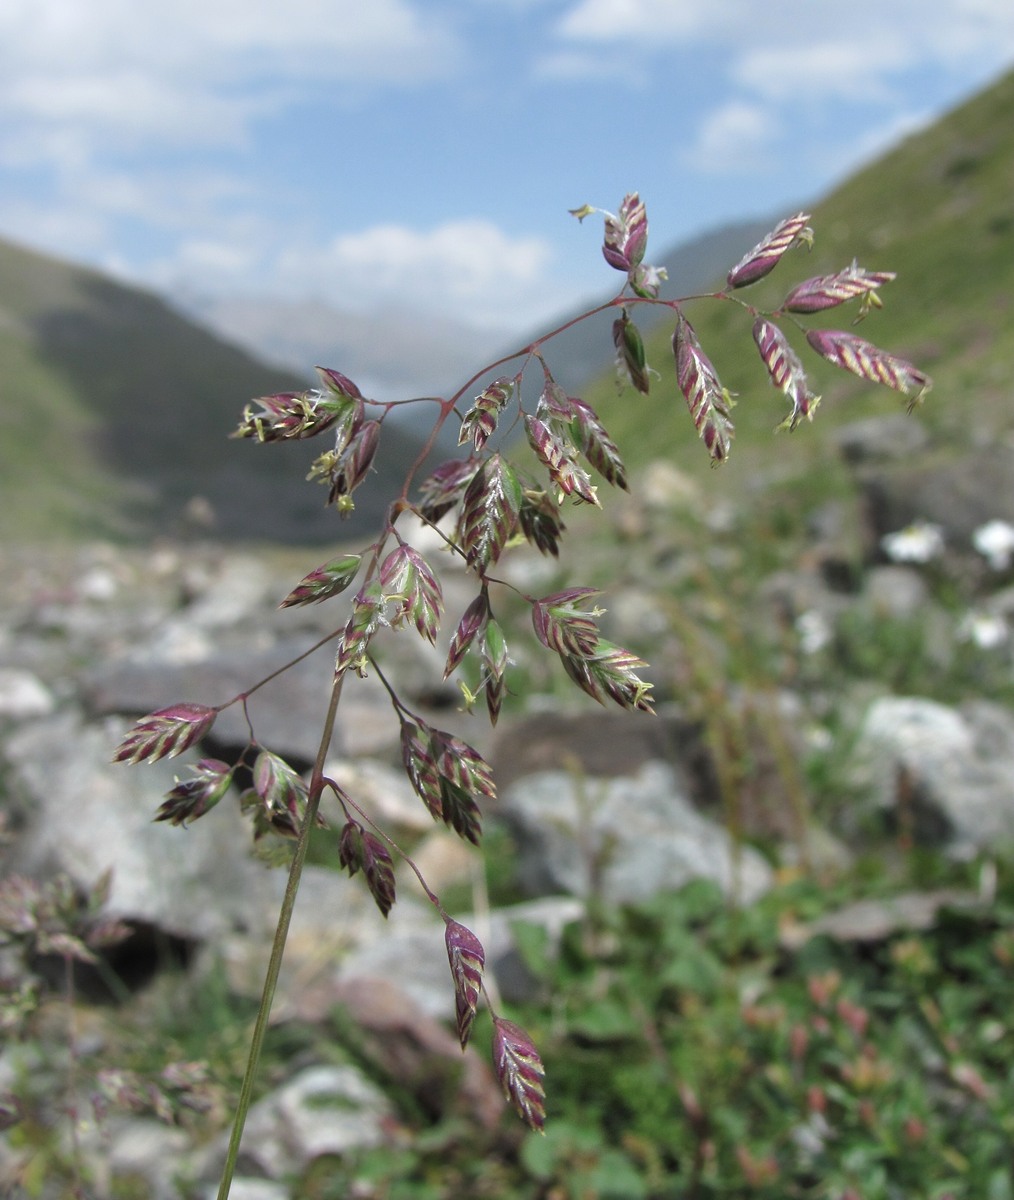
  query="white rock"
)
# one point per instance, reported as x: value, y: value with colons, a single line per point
x: 22, y: 696
x: 953, y: 769
x: 322, y: 1110
x: 623, y: 838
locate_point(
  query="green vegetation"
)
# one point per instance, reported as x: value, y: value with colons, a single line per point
x: 697, y: 1052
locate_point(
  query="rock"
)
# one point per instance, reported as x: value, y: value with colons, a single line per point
x: 23, y: 696
x: 664, y: 486
x: 803, y: 595
x: 144, y: 1150
x: 497, y: 934
x: 81, y: 814
x: 246, y: 1188
x: 622, y: 839
x: 894, y: 591
x: 383, y: 791
x: 944, y: 772
x: 634, y: 613
x: 959, y: 496
x: 444, y: 860
x: 876, y: 920
x: 881, y: 439
x: 418, y: 1053
x: 334, y: 915
x: 322, y: 1110
x: 410, y: 953
x: 595, y: 742
x: 227, y: 591
x: 287, y: 714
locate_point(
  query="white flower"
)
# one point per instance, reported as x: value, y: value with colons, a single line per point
x: 918, y: 543
x: 813, y: 631
x: 995, y: 542
x: 986, y: 630
x: 812, y: 1136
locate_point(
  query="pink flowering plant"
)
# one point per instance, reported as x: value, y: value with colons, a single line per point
x: 480, y: 505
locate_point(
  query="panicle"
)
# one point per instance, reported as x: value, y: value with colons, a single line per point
x: 444, y: 489
x: 540, y: 521
x: 360, y: 850
x: 630, y: 357
x: 480, y: 421
x: 489, y: 512
x: 473, y: 621
x: 624, y: 244
x: 828, y: 291
x: 785, y: 371
x: 407, y: 581
x: 277, y: 798
x: 626, y: 236
x: 288, y: 415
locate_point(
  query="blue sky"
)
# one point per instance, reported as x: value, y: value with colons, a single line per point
x: 420, y: 156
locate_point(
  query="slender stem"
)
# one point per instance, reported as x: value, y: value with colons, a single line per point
x: 329, y: 637
x: 314, y: 793
x: 446, y: 408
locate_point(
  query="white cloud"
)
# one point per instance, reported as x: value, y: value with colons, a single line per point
x: 470, y: 269
x: 941, y: 27
x: 574, y: 65
x: 869, y: 38
x: 187, y: 70
x: 634, y: 20
x: 733, y: 138
x: 224, y: 40
x: 818, y: 72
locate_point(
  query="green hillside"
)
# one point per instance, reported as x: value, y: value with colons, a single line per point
x: 116, y: 414
x: 939, y: 210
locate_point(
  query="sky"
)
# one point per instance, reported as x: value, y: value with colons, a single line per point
x: 409, y: 164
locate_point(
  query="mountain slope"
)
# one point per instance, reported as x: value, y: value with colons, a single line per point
x: 117, y: 412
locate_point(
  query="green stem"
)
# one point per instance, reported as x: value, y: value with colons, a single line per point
x: 314, y: 793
